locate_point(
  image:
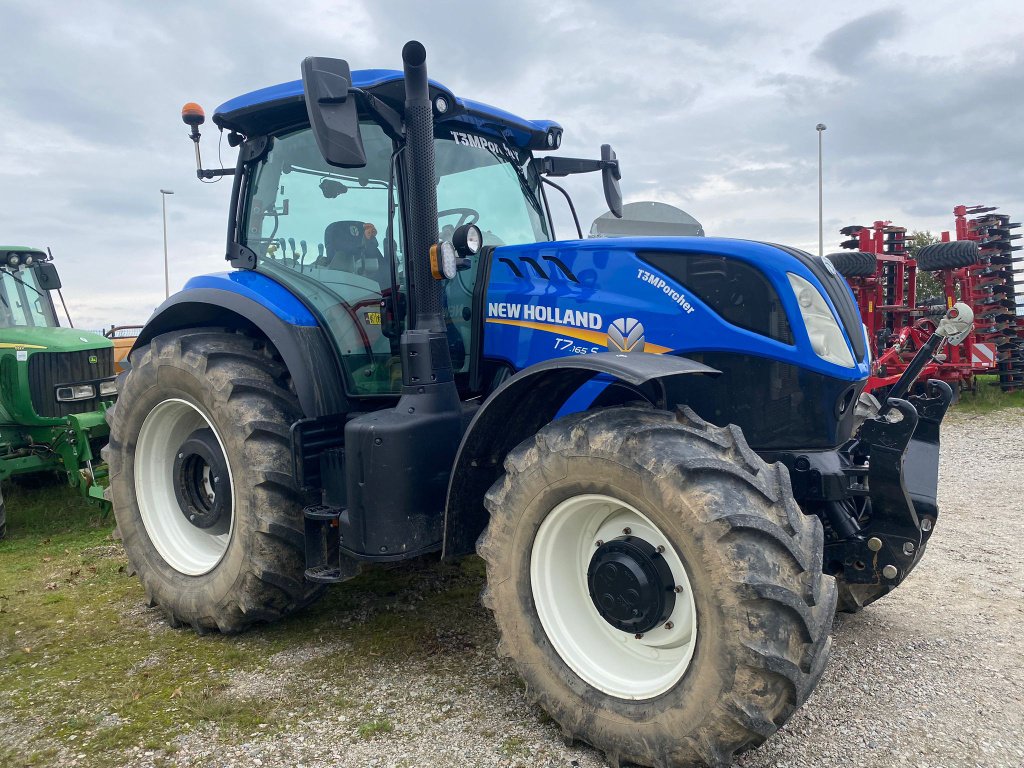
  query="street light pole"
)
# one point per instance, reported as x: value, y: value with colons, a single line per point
x: 820, y: 128
x: 167, y: 276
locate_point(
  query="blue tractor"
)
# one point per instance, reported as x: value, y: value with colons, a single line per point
x: 657, y: 445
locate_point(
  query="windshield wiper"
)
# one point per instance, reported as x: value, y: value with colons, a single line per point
x: 22, y: 282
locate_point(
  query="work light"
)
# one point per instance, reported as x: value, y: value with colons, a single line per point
x: 467, y: 240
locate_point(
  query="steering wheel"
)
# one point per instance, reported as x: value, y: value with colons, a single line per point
x: 466, y: 215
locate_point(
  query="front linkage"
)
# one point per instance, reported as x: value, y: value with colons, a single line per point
x: 71, y: 448
x: 876, y: 495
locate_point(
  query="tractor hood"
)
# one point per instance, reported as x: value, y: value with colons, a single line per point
x: 51, y: 339
x: 796, y: 364
x: 666, y: 295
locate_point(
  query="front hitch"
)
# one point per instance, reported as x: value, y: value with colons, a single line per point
x: 894, y: 462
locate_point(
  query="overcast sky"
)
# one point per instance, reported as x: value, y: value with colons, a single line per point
x: 710, y: 106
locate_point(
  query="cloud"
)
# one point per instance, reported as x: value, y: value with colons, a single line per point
x: 847, y: 47
x: 711, y: 108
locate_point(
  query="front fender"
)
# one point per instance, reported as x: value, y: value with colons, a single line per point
x: 518, y: 409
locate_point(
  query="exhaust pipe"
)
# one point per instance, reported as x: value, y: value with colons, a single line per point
x: 419, y: 168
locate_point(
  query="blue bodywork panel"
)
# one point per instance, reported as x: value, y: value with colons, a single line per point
x: 477, y: 115
x: 530, y: 319
x: 259, y: 288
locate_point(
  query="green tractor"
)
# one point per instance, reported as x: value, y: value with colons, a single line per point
x: 55, y: 383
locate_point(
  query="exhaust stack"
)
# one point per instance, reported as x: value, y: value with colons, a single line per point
x: 419, y: 168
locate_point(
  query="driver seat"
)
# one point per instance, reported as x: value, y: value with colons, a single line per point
x: 347, y: 248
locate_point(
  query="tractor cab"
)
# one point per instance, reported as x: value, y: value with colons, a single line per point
x: 26, y: 278
x: 336, y: 237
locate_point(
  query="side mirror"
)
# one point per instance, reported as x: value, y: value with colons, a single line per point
x: 333, y: 114
x: 610, y: 176
x: 46, y: 274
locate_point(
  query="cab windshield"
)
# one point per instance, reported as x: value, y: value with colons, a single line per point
x: 322, y: 231
x: 22, y: 302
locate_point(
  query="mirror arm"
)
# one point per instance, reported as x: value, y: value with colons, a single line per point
x: 210, y: 173
x: 575, y: 218
x: 389, y: 119
x: 566, y: 166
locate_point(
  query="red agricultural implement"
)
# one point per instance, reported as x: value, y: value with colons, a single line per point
x: 878, y: 267
x: 991, y: 286
x: 976, y: 268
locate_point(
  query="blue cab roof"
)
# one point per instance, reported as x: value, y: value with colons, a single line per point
x: 243, y: 113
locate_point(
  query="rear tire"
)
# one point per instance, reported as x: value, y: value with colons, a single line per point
x: 246, y: 563
x: 950, y: 255
x: 854, y: 263
x: 758, y: 606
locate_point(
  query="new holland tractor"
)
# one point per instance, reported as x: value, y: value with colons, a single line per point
x: 654, y: 443
x: 55, y: 383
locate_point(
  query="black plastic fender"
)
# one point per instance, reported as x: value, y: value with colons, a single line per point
x: 306, y: 351
x: 518, y: 409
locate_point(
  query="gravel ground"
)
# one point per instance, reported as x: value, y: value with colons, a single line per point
x: 932, y: 675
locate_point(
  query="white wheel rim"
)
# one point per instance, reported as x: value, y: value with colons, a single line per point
x: 616, y: 663
x: 187, y: 549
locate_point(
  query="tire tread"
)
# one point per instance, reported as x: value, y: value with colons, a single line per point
x: 677, y: 448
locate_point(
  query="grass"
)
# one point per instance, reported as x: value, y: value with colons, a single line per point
x: 87, y: 668
x: 373, y: 728
x: 513, y: 746
x: 988, y: 397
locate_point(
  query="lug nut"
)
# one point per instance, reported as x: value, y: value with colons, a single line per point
x: 678, y: 589
x: 598, y: 543
x: 874, y: 543
x: 627, y: 531
x: 908, y: 548
x: 639, y: 635
x: 890, y: 572
x: 669, y: 625
x: 926, y: 524
x: 660, y: 549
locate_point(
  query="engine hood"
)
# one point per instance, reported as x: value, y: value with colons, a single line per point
x: 680, y: 294
x: 51, y: 339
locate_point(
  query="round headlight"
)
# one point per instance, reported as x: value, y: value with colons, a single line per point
x: 551, y: 139
x: 441, y: 105
x: 806, y: 298
x: 28, y: 260
x: 12, y: 260
x: 467, y: 240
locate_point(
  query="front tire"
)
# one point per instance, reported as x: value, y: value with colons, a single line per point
x: 744, y: 641
x: 201, y: 480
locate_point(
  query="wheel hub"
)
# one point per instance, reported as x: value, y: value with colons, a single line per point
x: 631, y: 584
x: 201, y: 480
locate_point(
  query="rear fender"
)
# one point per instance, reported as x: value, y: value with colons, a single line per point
x: 295, y: 334
x: 518, y: 409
